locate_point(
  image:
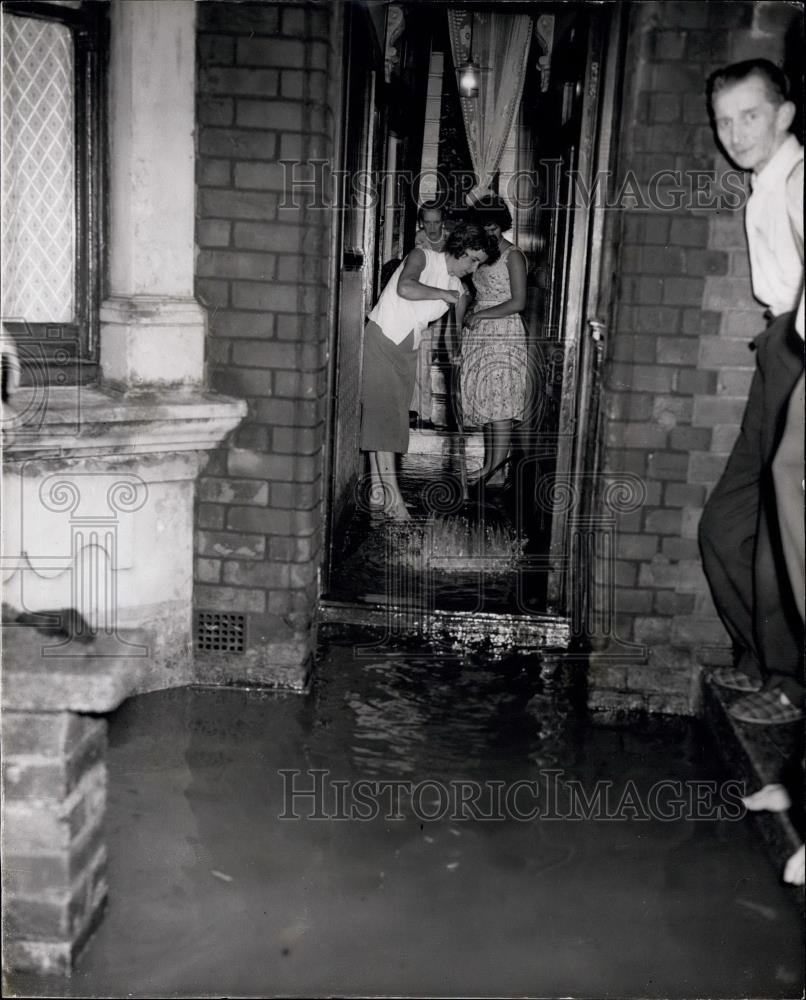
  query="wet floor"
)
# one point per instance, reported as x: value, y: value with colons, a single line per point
x: 439, y: 874
x: 475, y: 552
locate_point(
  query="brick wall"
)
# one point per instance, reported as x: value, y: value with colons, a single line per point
x: 54, y: 854
x: 267, y: 77
x: 679, y: 364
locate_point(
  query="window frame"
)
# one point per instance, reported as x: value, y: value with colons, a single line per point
x: 69, y: 352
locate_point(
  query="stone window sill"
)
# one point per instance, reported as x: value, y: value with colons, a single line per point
x: 79, y: 421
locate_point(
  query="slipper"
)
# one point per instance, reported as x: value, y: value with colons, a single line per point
x: 765, y: 708
x: 734, y: 680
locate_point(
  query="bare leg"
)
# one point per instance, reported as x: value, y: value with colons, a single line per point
x: 385, y: 493
x: 501, y: 434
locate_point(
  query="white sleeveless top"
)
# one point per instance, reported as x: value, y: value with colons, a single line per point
x: 397, y: 316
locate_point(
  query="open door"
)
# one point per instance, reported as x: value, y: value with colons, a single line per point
x: 358, y: 220
x: 565, y: 146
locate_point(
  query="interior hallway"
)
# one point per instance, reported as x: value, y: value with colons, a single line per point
x: 213, y: 895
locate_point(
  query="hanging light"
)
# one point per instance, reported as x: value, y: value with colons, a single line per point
x: 469, y: 73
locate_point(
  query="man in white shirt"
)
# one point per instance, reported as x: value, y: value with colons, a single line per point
x: 739, y: 532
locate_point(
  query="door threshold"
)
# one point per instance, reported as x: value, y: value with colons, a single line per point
x: 512, y: 632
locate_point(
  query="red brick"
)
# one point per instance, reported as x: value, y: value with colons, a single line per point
x: 264, y: 354
x: 690, y: 630
x: 213, y: 232
x: 706, y: 468
x: 663, y: 521
x: 268, y: 296
x: 268, y: 114
x: 258, y: 235
x: 629, y: 406
x: 721, y: 410
x: 228, y: 598
x: 636, y: 435
x: 263, y: 574
x: 684, y: 495
x: 683, y: 291
x: 657, y: 319
x: 208, y: 570
x: 239, y: 19
x: 677, y: 351
x: 239, y: 205
x: 728, y: 292
x: 212, y: 293
x: 668, y: 465
x: 242, y: 382
x: 231, y: 323
x: 636, y: 546
x: 209, y: 515
x: 270, y: 52
x: 226, y: 264
x: 680, y: 548
x: 667, y: 602
x: 672, y: 410
x: 689, y: 232
x: 285, y: 412
x: 215, y: 110
x: 665, y: 107
x: 215, y: 50
x: 269, y: 521
x: 695, y: 383
x: 640, y: 378
x: 690, y: 438
x: 252, y: 437
x: 237, y: 144
x: 233, y: 81
x: 242, y: 491
x: 230, y: 545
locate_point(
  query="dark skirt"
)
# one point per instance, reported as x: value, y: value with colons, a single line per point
x: 387, y: 382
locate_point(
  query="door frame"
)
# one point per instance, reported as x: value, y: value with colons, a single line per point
x: 589, y: 301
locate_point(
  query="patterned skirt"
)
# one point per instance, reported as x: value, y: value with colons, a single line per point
x: 494, y: 371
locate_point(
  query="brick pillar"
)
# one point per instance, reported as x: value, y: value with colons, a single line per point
x: 266, y: 89
x: 54, y: 856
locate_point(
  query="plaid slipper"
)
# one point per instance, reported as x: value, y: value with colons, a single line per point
x: 765, y: 708
x: 734, y: 680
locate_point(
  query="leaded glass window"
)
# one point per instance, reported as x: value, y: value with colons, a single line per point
x: 52, y: 110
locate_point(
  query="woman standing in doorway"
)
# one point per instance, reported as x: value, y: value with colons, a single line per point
x: 425, y: 285
x: 494, y: 359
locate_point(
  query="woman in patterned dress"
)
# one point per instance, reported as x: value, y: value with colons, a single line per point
x: 493, y: 352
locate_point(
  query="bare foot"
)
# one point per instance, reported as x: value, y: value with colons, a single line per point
x: 794, y: 870
x: 770, y: 798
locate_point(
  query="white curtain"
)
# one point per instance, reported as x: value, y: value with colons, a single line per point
x: 500, y: 45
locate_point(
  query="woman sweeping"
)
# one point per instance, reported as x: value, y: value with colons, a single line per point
x: 425, y: 285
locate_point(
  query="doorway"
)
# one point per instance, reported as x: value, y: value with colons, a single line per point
x: 508, y: 551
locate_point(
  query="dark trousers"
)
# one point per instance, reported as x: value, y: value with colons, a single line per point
x: 739, y: 537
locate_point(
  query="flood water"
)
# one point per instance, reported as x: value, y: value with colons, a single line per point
x: 484, y: 552
x: 397, y: 888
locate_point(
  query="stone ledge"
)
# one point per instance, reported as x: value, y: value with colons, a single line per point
x: 78, y: 421
x: 755, y: 755
x: 95, y: 677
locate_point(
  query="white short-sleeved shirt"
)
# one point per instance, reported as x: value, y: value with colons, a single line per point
x: 397, y: 316
x: 774, y: 210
